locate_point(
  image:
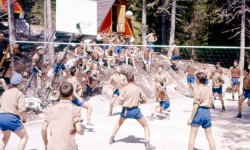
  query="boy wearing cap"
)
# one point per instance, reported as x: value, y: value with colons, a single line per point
x: 64, y: 121
x: 12, y: 113
x: 131, y: 97
x: 77, y: 94
x: 201, y: 115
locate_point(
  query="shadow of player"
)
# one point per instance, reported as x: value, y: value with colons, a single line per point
x: 132, y: 139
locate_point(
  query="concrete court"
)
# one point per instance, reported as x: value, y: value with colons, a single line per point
x: 229, y: 133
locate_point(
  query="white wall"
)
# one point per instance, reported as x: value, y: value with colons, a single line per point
x: 71, y: 12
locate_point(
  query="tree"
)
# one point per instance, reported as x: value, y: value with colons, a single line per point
x: 12, y: 32
x: 172, y: 29
x: 144, y: 22
x: 231, y: 13
x: 50, y: 32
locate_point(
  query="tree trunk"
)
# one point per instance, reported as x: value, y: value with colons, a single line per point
x: 172, y: 30
x: 163, y: 18
x: 193, y: 34
x: 45, y: 22
x: 144, y: 22
x: 50, y: 32
x: 242, y: 39
x: 12, y: 32
x: 242, y: 36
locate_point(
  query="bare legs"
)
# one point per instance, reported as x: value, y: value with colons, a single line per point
x: 191, y: 89
x: 114, y: 97
x: 89, y: 108
x: 21, y: 133
x: 193, y: 134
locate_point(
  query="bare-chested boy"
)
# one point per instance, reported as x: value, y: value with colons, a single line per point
x: 190, y: 71
x: 246, y: 92
x: 206, y: 71
x: 217, y: 83
x: 162, y: 103
x: 129, y: 57
x: 78, y: 92
x: 116, y: 82
x: 147, y: 55
x: 234, y: 76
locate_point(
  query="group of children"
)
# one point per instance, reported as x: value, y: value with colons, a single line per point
x: 129, y: 95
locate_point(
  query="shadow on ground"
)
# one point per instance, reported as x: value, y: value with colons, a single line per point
x: 131, y: 139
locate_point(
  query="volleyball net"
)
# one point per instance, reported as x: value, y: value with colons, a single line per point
x: 203, y: 54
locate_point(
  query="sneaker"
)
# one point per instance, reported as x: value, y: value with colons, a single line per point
x: 109, y: 114
x: 90, y: 124
x: 112, y: 140
x: 148, y: 146
x: 151, y: 117
x: 238, y: 116
x: 233, y: 98
x: 223, y: 109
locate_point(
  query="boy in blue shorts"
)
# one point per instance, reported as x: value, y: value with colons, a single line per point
x: 201, y: 112
x: 78, y: 93
x: 131, y: 97
x: 246, y: 92
x: 162, y: 105
x: 59, y: 66
x: 190, y: 71
x: 217, y: 83
x: 12, y: 113
x: 234, y: 76
x: 116, y: 82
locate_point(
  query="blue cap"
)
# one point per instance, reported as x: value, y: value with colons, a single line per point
x: 16, y: 79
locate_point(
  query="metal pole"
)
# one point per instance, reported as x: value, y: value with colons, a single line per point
x: 64, y: 56
x: 45, y: 48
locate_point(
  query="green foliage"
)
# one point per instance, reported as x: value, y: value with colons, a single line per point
x: 37, y: 12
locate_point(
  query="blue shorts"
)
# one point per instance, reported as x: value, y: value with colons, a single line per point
x: 206, y: 83
x: 165, y: 104
x: 88, y: 89
x: 202, y: 118
x: 118, y: 50
x: 219, y: 90
x: 246, y: 94
x: 10, y: 122
x: 190, y: 79
x: 133, y: 113
x: 57, y: 67
x: 146, y: 61
x: 77, y: 102
x: 175, y: 56
x: 104, y: 47
x: 116, y: 92
x: 151, y: 46
x: 235, y: 82
x: 33, y: 70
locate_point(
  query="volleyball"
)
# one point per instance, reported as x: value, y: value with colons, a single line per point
x: 129, y: 14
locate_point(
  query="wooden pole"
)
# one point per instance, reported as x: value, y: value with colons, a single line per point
x: 144, y: 22
x: 172, y: 30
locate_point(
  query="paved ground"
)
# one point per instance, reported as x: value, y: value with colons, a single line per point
x: 229, y: 133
